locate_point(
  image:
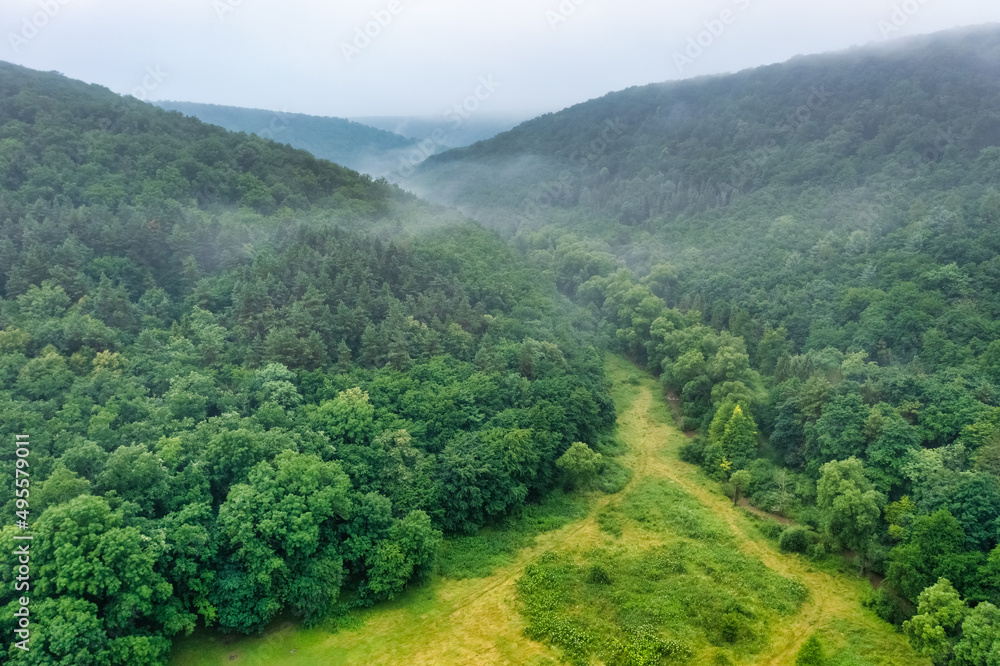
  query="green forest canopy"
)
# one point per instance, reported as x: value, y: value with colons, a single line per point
x: 812, y: 245
x: 249, y: 379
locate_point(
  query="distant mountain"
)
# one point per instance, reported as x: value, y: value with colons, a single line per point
x: 454, y: 129
x: 352, y: 144
x: 915, y: 114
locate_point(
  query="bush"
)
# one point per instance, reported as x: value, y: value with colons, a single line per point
x: 795, y: 540
x: 598, y: 575
x: 693, y: 451
x: 580, y: 465
x: 811, y: 653
x: 689, y: 424
x: 772, y: 529
x: 733, y: 627
x: 886, y: 606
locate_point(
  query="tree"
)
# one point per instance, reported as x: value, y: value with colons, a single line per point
x: 718, y: 426
x: 580, y: 464
x: 737, y: 443
x: 138, y: 476
x: 343, y: 358
x: 980, y: 643
x: 935, y: 628
x: 280, y: 531
x: 230, y: 455
x: 407, y: 553
x: 348, y: 417
x: 740, y: 480
x: 850, y: 505
x: 85, y: 551
x: 933, y: 547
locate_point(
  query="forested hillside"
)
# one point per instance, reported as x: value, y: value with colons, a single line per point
x: 342, y: 141
x: 252, y: 382
x: 807, y: 254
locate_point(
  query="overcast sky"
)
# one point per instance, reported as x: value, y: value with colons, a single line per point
x: 421, y: 57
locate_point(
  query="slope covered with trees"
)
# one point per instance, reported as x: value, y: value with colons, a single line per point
x: 252, y: 380
x: 807, y: 254
x: 352, y: 144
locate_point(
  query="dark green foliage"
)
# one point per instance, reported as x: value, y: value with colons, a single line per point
x: 693, y: 451
x: 887, y: 606
x: 934, y: 547
x: 252, y: 378
x: 813, y: 241
x: 795, y: 540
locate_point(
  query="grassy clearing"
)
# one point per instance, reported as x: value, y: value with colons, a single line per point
x: 851, y: 634
x: 667, y: 516
x: 479, y: 555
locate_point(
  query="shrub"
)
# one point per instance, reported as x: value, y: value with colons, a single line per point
x: 811, y: 653
x: 886, y: 606
x: 795, y: 540
x: 693, y: 451
x: 733, y: 627
x: 772, y: 529
x: 598, y: 575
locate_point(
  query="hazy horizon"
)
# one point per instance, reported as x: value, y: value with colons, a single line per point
x: 392, y: 58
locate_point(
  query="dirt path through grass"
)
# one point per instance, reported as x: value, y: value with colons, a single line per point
x: 646, y: 426
x: 475, y: 621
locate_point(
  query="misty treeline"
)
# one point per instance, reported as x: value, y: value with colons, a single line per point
x: 248, y: 391
x: 807, y: 254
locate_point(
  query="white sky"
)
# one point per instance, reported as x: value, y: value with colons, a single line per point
x: 289, y: 55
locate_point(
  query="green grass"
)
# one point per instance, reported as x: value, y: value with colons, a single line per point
x: 694, y: 593
x: 480, y: 554
x: 660, y: 506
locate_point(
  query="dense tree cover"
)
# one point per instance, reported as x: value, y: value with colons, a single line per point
x: 814, y: 242
x: 239, y: 412
x: 67, y: 143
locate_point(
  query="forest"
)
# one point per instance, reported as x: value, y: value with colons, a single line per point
x: 338, y: 140
x: 252, y: 380
x: 806, y: 254
x: 259, y: 385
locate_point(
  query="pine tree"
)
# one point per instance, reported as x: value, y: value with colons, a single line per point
x: 739, y: 441
x: 343, y: 358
